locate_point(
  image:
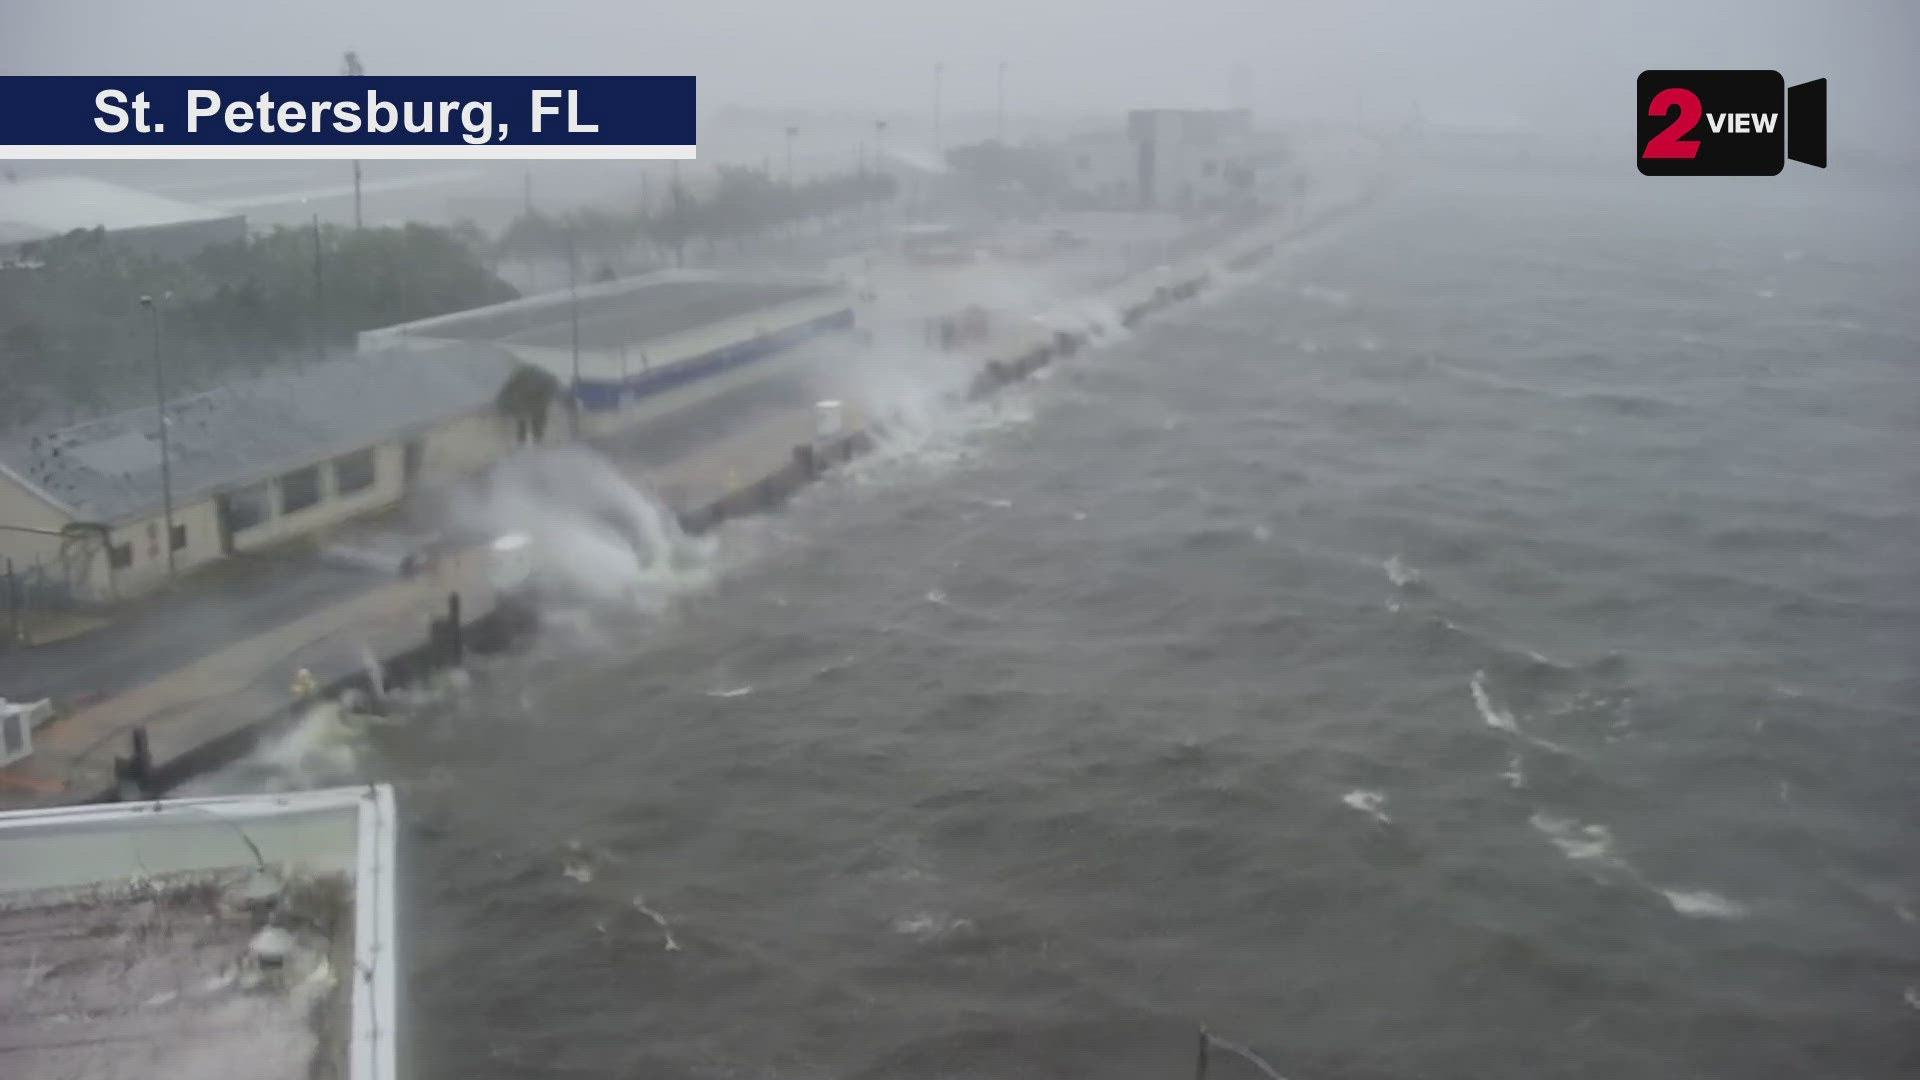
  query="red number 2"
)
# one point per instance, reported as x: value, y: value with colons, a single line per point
x: 1670, y: 143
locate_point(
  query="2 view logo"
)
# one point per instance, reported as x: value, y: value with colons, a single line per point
x: 1729, y: 123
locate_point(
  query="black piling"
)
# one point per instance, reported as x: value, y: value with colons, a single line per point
x: 456, y: 632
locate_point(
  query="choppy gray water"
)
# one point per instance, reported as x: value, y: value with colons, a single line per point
x: 1486, y: 646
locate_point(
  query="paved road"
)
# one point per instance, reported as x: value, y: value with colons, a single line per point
x: 241, y: 597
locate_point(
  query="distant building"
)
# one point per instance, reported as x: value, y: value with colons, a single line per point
x: 1192, y: 158
x: 1169, y: 159
x: 1104, y: 169
x: 253, y: 463
x: 39, y: 209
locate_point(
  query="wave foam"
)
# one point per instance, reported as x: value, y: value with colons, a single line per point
x: 1369, y: 803
x: 1576, y: 840
x: 1400, y: 573
x: 1493, y: 714
x: 1701, y: 904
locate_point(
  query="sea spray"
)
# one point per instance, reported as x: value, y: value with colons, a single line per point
x: 596, y: 535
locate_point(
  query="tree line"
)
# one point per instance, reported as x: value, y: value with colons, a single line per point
x: 741, y: 204
x: 75, y: 339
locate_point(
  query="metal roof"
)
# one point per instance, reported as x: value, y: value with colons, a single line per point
x: 108, y: 470
x: 631, y: 311
x: 37, y: 208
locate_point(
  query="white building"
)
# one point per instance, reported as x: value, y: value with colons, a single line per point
x: 1169, y: 159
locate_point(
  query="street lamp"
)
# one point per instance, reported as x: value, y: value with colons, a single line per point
x: 939, y: 145
x: 160, y: 414
x: 1000, y: 106
x: 573, y: 319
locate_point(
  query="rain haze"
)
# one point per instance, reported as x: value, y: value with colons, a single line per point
x: 1072, y: 539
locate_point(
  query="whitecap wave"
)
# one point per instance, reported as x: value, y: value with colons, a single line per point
x: 732, y: 692
x: 1502, y: 719
x: 1515, y: 778
x: 1400, y: 573
x: 1576, y: 840
x: 930, y: 926
x: 1492, y: 713
x: 1701, y: 904
x: 1369, y: 803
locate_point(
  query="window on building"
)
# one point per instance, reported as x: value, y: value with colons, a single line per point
x: 299, y: 489
x: 179, y: 537
x: 353, y: 472
x: 247, y: 507
x: 120, y: 555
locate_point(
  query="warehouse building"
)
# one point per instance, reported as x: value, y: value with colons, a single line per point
x: 1169, y: 159
x: 39, y: 209
x: 265, y: 460
x: 254, y: 463
x: 640, y: 348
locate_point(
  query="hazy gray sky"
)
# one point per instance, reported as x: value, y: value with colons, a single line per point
x: 1546, y: 61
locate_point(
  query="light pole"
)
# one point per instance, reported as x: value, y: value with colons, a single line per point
x: 1000, y: 106
x: 319, y: 295
x: 573, y: 319
x: 354, y: 70
x: 160, y: 413
x: 939, y: 144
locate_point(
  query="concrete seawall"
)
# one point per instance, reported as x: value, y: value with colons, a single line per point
x: 465, y: 617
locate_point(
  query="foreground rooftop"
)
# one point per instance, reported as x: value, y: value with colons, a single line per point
x: 247, y: 937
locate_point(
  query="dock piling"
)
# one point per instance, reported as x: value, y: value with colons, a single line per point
x: 456, y: 643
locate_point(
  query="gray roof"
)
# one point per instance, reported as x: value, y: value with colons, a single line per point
x: 36, y: 208
x: 108, y: 470
x: 649, y: 309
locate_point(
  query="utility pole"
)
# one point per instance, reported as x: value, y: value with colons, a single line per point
x: 573, y: 318
x: 1000, y: 106
x: 679, y: 217
x: 319, y: 296
x: 354, y: 70
x: 880, y: 170
x: 939, y: 144
x: 160, y: 413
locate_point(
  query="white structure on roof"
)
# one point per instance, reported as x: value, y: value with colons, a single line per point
x: 37, y: 209
x: 251, y: 937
